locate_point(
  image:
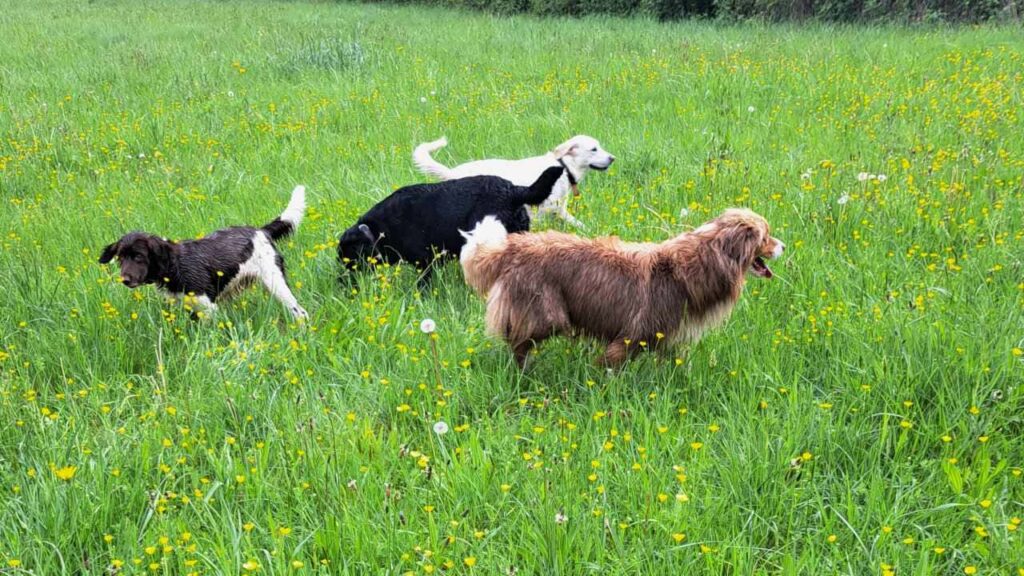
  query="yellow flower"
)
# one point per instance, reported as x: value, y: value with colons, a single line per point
x: 248, y: 526
x: 469, y: 561
x: 251, y: 565
x: 679, y: 537
x: 296, y: 564
x: 284, y: 531
x: 985, y: 503
x: 970, y: 570
x: 832, y: 538
x: 66, y: 473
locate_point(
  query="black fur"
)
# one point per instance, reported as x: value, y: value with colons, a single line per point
x: 278, y: 228
x: 419, y: 222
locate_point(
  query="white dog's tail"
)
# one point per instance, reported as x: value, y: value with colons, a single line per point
x: 481, y: 253
x: 421, y: 157
x: 290, y: 219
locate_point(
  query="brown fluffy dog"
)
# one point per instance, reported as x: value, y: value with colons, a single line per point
x: 550, y: 283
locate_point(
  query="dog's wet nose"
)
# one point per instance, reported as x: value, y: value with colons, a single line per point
x: 611, y: 158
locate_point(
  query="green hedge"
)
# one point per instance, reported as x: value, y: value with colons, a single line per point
x: 902, y: 11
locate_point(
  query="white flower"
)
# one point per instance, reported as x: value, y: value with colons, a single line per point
x: 843, y: 199
x: 433, y: 92
x: 427, y: 326
x: 423, y: 99
x: 863, y: 177
x: 231, y: 93
x: 882, y: 177
x: 683, y: 212
x: 561, y: 518
x: 440, y: 427
x: 750, y: 109
x: 806, y: 175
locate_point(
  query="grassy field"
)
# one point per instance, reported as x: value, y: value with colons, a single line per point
x: 861, y: 413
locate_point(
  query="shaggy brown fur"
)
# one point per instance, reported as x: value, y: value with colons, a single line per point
x: 551, y: 283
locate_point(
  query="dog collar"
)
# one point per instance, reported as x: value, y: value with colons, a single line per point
x: 572, y: 179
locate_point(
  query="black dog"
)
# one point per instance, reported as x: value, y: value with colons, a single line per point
x: 213, y: 267
x: 420, y: 223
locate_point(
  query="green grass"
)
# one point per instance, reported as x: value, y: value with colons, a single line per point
x: 895, y: 319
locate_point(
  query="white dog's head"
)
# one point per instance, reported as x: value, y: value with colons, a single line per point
x: 582, y: 153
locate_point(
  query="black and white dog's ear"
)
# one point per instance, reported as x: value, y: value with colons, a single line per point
x: 109, y: 252
x: 366, y: 232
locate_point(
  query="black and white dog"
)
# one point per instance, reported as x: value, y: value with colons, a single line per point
x: 214, y: 267
x: 421, y: 223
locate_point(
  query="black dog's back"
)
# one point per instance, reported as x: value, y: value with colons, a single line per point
x: 417, y: 222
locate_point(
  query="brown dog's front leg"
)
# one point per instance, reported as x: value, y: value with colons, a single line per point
x: 522, y: 353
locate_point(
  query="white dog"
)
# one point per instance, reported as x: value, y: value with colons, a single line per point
x: 577, y: 155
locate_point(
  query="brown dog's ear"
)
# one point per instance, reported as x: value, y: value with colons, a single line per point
x: 109, y: 252
x: 567, y: 148
x: 740, y: 242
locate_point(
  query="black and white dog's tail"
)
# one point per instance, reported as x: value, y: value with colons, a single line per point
x: 290, y: 219
x: 539, y: 191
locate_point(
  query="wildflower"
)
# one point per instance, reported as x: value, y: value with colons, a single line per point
x: 296, y: 564
x: 440, y: 427
x: 423, y: 99
x: 863, y: 176
x: 679, y: 537
x: 251, y: 565
x: 469, y: 561
x: 427, y: 326
x: 985, y: 503
x: 66, y: 473
x: 750, y: 109
x: 843, y: 199
x: 970, y: 570
x: 882, y: 177
x: 284, y: 531
x: 561, y: 518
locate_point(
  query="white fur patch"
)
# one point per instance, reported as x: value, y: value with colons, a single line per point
x: 779, y: 248
x: 296, y: 207
x: 262, y: 266
x: 488, y: 232
x: 690, y: 331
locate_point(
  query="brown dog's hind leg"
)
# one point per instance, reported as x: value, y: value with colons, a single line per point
x: 614, y: 354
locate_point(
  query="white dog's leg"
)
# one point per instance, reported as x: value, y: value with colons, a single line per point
x: 273, y: 279
x: 563, y: 212
x: 208, y: 306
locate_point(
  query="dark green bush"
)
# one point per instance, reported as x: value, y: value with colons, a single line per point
x: 897, y: 11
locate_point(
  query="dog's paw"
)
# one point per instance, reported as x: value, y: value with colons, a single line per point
x: 300, y: 313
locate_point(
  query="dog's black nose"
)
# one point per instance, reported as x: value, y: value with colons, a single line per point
x: 611, y: 158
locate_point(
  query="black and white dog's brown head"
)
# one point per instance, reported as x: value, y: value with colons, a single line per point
x: 143, y: 258
x: 217, y: 265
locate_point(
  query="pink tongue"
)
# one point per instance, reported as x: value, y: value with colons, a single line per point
x: 761, y: 269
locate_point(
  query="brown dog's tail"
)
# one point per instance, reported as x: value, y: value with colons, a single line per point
x: 481, y: 255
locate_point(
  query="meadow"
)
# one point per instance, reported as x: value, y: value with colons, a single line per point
x: 860, y: 413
